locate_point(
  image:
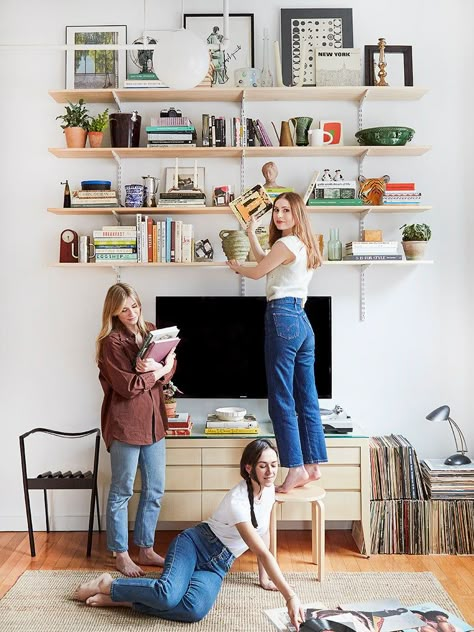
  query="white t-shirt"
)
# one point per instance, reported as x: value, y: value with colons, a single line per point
x: 235, y: 508
x: 290, y: 279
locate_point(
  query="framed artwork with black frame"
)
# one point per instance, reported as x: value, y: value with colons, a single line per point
x: 95, y: 68
x: 399, y: 69
x: 310, y: 29
x: 240, y: 51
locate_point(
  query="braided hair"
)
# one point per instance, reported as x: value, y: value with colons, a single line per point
x: 251, y: 456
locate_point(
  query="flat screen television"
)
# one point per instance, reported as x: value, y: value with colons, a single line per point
x: 221, y: 350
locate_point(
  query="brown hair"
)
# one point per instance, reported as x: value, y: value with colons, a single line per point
x: 113, y: 304
x: 302, y: 228
x: 250, y: 456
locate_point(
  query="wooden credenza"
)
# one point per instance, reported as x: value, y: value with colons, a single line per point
x: 201, y: 469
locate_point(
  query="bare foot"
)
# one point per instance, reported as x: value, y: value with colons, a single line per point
x: 296, y: 477
x: 100, y: 584
x: 314, y: 471
x: 148, y: 557
x: 101, y: 601
x: 267, y: 584
x: 125, y: 565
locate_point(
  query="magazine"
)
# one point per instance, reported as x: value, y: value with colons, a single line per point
x: 158, y: 343
x: 444, y: 621
x: 254, y: 202
x: 388, y: 615
x: 280, y: 619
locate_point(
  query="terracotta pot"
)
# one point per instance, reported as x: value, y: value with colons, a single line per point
x: 95, y: 138
x: 414, y: 249
x: 75, y: 136
x: 170, y: 409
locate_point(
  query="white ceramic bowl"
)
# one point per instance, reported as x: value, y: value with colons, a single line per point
x: 230, y: 413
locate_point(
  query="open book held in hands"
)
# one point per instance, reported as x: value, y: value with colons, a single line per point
x: 159, y: 343
x: 254, y: 202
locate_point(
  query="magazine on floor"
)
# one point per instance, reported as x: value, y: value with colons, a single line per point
x: 437, y: 618
x: 280, y: 619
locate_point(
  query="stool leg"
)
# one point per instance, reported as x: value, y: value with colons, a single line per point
x: 273, y: 531
x: 98, y: 511
x: 46, y: 510
x: 318, y: 536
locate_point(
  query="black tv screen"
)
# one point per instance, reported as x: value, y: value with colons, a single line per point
x: 221, y: 350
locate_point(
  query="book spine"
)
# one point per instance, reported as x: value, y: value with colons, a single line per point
x: 173, y: 242
x: 149, y: 236
x: 187, y: 240
x: 168, y: 240
x: 114, y: 233
x: 103, y: 250
x: 231, y: 424
x: 169, y: 136
x: 94, y: 194
x: 264, y: 133
x: 372, y: 258
x: 138, y: 219
x: 116, y: 257
x: 154, y: 242
x: 336, y: 184
x: 205, y: 130
x: 178, y: 432
x: 231, y: 430
x: 144, y: 238
x: 178, y: 241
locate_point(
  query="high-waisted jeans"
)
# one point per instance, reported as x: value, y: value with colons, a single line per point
x: 292, y: 397
x: 195, y: 566
x: 124, y: 459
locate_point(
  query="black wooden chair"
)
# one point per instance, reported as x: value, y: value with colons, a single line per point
x: 61, y: 480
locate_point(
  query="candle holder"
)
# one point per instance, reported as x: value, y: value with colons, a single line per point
x: 381, y: 73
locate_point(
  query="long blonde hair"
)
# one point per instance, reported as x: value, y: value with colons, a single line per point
x: 302, y: 228
x: 114, y: 301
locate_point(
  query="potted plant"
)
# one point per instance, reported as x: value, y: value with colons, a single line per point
x: 96, y: 127
x: 169, y: 393
x: 414, y: 240
x: 75, y: 123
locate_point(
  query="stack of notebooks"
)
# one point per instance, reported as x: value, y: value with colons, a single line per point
x: 171, y: 131
x: 371, y: 251
x: 248, y: 425
x: 180, y: 425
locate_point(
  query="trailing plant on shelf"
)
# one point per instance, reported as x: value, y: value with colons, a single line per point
x: 97, y: 124
x: 414, y: 240
x: 75, y: 123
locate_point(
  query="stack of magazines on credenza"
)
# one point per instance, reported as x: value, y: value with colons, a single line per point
x: 231, y: 420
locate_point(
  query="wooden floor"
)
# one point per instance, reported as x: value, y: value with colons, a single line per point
x: 66, y: 550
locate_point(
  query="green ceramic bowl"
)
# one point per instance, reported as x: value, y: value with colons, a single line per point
x: 385, y: 136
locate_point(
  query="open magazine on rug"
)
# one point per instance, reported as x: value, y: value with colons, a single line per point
x: 158, y: 343
x: 435, y: 617
x: 280, y: 619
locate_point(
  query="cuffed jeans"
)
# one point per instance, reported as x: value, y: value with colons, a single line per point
x: 195, y: 566
x: 125, y: 458
x: 292, y: 397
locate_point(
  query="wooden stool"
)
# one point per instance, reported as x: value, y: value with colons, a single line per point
x: 307, y: 494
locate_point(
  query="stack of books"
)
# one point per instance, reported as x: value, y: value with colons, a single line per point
x: 247, y: 425
x: 94, y: 199
x: 180, y: 425
x: 182, y: 197
x: 171, y: 131
x: 335, y: 190
x: 401, y: 193
x: 143, y: 80
x: 448, y: 481
x: 372, y: 251
x: 115, y: 243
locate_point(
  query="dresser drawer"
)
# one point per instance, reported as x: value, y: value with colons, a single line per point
x: 220, y: 477
x: 349, y: 456
x: 221, y: 456
x: 183, y: 456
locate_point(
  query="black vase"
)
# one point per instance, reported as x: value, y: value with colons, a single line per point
x: 125, y: 129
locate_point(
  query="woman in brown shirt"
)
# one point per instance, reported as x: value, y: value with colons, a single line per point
x: 134, y: 421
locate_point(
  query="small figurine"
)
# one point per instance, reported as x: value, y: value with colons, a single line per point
x: 270, y: 173
x: 338, y: 175
x: 326, y: 175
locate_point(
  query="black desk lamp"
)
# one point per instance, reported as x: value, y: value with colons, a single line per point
x: 460, y: 458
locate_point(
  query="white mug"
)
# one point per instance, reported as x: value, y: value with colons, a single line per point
x: 316, y: 137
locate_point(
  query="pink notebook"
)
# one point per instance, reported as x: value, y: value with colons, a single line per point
x: 160, y: 349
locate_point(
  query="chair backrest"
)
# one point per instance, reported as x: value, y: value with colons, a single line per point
x: 65, y: 435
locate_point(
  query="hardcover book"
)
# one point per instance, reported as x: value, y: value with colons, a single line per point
x: 254, y: 202
x: 337, y: 67
x: 159, y: 343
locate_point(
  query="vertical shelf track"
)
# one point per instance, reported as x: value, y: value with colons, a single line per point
x: 243, y: 287
x: 360, y: 125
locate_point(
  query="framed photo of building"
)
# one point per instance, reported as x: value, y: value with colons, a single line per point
x: 304, y: 30
x: 238, y: 54
x: 95, y: 69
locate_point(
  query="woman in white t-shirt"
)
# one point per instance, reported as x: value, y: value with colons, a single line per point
x: 289, y: 339
x: 199, y: 558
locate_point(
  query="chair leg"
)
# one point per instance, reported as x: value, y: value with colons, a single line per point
x: 318, y: 536
x: 91, y: 522
x: 273, y: 531
x: 98, y: 511
x: 30, y: 523
x: 46, y: 510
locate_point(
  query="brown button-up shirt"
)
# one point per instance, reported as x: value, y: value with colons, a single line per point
x: 133, y: 410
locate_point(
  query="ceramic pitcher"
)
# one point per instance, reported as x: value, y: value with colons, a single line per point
x: 286, y: 138
x: 301, y: 126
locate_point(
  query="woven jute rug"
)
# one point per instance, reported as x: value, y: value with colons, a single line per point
x: 41, y: 601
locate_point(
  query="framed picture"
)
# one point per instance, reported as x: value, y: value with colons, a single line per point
x: 304, y: 30
x: 95, y: 68
x: 239, y: 53
x: 184, y: 178
x: 335, y: 129
x: 399, y: 65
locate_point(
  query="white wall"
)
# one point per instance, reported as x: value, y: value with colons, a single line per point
x: 413, y: 352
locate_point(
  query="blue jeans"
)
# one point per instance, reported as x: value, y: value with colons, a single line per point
x: 124, y: 459
x: 195, y: 565
x: 292, y: 397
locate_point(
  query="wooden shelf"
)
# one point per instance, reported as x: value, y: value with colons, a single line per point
x: 338, y: 93
x: 237, y: 152
x: 222, y: 264
x: 225, y: 210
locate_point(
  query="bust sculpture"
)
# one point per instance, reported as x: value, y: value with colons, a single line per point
x: 270, y: 173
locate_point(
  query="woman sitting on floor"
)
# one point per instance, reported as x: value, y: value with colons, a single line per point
x: 199, y: 558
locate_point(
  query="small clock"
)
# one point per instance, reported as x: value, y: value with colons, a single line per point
x: 68, y: 246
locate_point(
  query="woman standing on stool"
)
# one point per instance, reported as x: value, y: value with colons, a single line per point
x: 133, y: 425
x: 199, y: 558
x: 289, y: 339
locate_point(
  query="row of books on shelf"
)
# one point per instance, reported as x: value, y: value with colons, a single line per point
x: 378, y: 615
x: 217, y: 131
x: 422, y: 527
x: 149, y: 241
x: 395, y: 469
